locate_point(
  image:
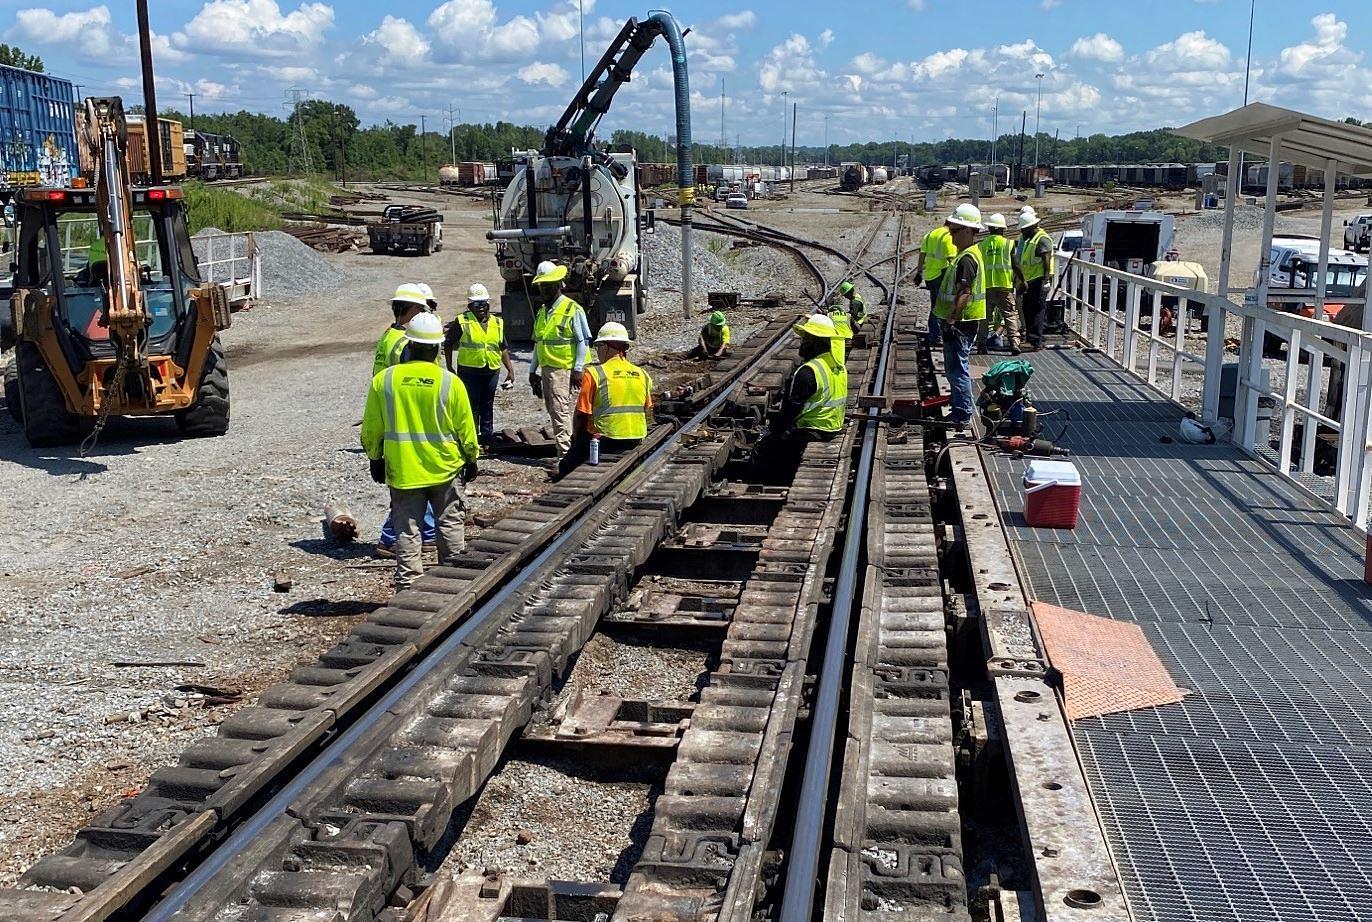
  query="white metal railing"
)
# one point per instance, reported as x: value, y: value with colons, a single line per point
x: 1106, y: 308
x: 233, y: 261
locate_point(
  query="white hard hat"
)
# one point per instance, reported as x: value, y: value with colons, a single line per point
x: 428, y: 292
x: 545, y: 267
x: 996, y: 220
x: 410, y: 293
x: 818, y: 324
x: 1028, y: 219
x: 1026, y: 209
x: 425, y: 329
x: 613, y: 332
x: 966, y: 216
x: 478, y: 292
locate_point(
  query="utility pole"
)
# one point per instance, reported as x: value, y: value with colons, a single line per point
x: 299, y: 159
x: 452, y: 131
x: 1231, y: 188
x: 794, y: 107
x: 581, y: 24
x: 723, y: 138
x: 1037, y: 106
x: 149, y: 95
x: 826, y: 139
x: 995, y: 132
x: 191, y: 97
x: 781, y: 156
x: 423, y: 149
x: 1019, y: 155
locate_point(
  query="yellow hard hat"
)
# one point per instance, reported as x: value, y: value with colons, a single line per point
x: 818, y: 325
x: 549, y: 271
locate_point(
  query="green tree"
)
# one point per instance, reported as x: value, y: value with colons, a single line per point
x: 15, y: 56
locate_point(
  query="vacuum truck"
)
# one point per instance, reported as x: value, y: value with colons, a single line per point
x: 578, y: 205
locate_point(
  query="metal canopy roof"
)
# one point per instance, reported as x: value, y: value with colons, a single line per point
x: 1305, y: 139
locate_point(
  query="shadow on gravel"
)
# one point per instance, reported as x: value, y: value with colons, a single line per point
x: 122, y: 436
x: 329, y: 608
x: 329, y: 547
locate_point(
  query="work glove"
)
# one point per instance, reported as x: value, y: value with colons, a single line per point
x: 536, y: 385
x: 919, y: 278
x: 468, y: 472
x: 378, y: 467
x: 507, y: 384
x: 576, y: 379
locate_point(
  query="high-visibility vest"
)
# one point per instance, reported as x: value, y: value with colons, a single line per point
x: 947, y: 291
x: 620, y: 409
x: 555, y: 335
x: 995, y: 254
x: 480, y: 348
x: 1031, y: 265
x: 418, y: 418
x: 859, y: 306
x: 844, y: 327
x: 823, y: 411
x: 715, y: 336
x: 938, y: 249
x: 388, y: 349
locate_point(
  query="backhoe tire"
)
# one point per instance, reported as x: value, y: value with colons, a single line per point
x: 12, y: 390
x: 210, y: 415
x: 44, y: 413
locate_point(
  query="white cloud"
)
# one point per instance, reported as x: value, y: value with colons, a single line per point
x: 1049, y: 4
x: 919, y: 6
x: 1327, y: 48
x: 399, y: 40
x: 91, y: 32
x: 542, y: 72
x: 1098, y: 47
x: 1190, y: 51
x: 470, y: 30
x: 257, y: 28
x: 744, y: 19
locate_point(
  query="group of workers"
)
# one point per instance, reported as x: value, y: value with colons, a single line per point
x: 425, y: 424
x: 982, y: 288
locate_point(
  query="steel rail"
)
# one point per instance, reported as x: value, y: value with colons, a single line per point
x: 185, y: 891
x: 803, y: 855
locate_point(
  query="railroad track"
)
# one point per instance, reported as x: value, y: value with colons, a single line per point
x: 326, y: 798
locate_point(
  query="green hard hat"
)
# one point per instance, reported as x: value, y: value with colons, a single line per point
x: 845, y: 288
x: 717, y: 319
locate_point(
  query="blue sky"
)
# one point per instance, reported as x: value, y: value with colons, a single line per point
x: 906, y: 68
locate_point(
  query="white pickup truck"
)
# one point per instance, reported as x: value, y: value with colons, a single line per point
x: 1357, y: 234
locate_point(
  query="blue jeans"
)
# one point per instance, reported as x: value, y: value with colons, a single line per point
x: 481, y: 385
x: 428, y: 530
x: 957, y: 346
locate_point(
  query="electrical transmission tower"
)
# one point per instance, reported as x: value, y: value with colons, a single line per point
x: 299, y: 159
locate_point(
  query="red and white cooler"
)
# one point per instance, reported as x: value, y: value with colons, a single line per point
x: 1052, y: 494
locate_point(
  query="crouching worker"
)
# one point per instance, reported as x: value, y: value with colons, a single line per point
x: 713, y: 342
x: 615, y: 404
x: 418, y: 432
x: 816, y: 396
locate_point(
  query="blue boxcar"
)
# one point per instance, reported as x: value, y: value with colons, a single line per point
x: 37, y: 129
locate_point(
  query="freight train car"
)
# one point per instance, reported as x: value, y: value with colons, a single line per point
x: 656, y: 174
x: 172, y: 148
x: 37, y: 129
x: 930, y: 176
x: 468, y: 174
x: 853, y: 177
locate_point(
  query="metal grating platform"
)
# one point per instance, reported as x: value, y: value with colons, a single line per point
x: 1253, y: 797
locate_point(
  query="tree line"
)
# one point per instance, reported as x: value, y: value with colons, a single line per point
x: 340, y: 147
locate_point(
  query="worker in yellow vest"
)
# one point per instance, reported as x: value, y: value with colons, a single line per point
x: 961, y: 308
x: 418, y: 432
x: 713, y: 341
x: 817, y: 395
x: 1033, y: 264
x: 479, y: 340
x: 561, y: 345
x: 407, y: 302
x: 615, y: 405
x: 857, y: 308
x: 1001, y: 311
x: 936, y: 252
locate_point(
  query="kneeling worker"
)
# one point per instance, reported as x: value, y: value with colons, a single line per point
x: 817, y: 395
x: 713, y: 342
x: 481, y: 350
x: 418, y: 431
x: 616, y: 401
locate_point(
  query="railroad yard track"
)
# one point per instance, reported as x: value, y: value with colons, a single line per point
x: 816, y: 742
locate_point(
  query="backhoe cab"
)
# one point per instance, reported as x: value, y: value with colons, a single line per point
x: 109, y: 311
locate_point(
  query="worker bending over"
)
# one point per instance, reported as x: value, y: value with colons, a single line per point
x: 418, y: 431
x: 561, y: 335
x: 816, y: 397
x: 407, y: 302
x: 961, y: 307
x: 479, y: 340
x: 857, y: 308
x: 936, y: 252
x: 713, y: 341
x: 1033, y: 263
x: 615, y: 404
x: 1001, y: 309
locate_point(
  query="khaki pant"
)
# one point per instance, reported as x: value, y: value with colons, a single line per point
x: 407, y: 514
x: 1001, y: 301
x: 560, y: 401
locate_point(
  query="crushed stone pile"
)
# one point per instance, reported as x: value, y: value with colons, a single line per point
x: 289, y: 268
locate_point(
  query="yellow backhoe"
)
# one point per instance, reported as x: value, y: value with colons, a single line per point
x: 109, y: 311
